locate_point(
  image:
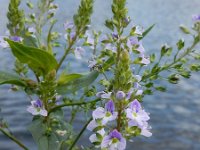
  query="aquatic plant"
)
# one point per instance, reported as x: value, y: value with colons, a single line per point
x: 117, y: 114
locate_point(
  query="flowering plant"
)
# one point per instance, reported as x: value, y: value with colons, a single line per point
x: 117, y: 60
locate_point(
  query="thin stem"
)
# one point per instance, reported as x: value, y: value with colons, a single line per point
x: 67, y: 51
x: 13, y: 139
x: 171, y: 64
x: 72, y: 104
x: 79, y: 135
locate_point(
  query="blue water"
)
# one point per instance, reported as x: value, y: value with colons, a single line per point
x: 175, y: 117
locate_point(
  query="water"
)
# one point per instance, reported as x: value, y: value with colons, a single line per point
x: 174, y: 115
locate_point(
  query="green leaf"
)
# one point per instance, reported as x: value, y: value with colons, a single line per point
x: 109, y: 24
x: 152, y: 58
x: 78, y: 84
x: 145, y: 33
x: 180, y: 44
x: 195, y: 67
x: 9, y: 78
x: 65, y: 78
x: 185, y: 74
x: 108, y: 63
x: 46, y: 135
x: 166, y: 50
x: 148, y: 92
x: 184, y: 29
x: 160, y: 88
x: 174, y: 78
x: 149, y: 85
x: 37, y: 59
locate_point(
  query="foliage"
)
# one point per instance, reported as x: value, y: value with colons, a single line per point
x: 39, y: 73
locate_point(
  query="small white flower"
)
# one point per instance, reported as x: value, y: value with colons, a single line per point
x: 3, y: 43
x: 104, y: 95
x: 61, y: 132
x: 94, y: 138
x: 79, y: 52
x: 31, y: 30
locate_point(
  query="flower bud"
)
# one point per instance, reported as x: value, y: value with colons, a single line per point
x: 120, y: 95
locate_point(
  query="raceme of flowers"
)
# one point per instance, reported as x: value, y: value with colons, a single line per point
x: 135, y: 117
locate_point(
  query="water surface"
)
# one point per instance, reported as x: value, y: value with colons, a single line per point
x: 174, y: 115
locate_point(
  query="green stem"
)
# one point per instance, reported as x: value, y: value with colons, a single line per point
x: 171, y: 64
x: 79, y: 135
x: 13, y: 139
x: 72, y: 104
x: 67, y: 51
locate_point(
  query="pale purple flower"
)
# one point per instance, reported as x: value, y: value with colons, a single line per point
x: 126, y: 20
x: 196, y: 17
x: 104, y: 95
x: 110, y: 106
x: 68, y: 25
x: 136, y: 85
x: 114, y: 141
x: 138, y: 78
x: 139, y: 92
x: 139, y: 30
x: 120, y: 95
x: 37, y: 108
x: 115, y: 35
x: 16, y: 38
x: 79, y: 52
x: 140, y: 48
x: 136, y: 114
x: 134, y: 42
x: 3, y: 43
x: 94, y: 138
x: 71, y: 35
x: 145, y: 130
x: 92, y: 125
x: 106, y: 114
x: 128, y: 95
x: 145, y: 60
x: 110, y: 47
x: 90, y: 40
x: 92, y: 63
x: 135, y: 105
x: 31, y: 30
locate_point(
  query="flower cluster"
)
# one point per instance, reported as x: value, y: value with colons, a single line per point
x: 135, y: 121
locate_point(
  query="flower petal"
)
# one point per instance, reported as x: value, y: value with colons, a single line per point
x: 105, y: 142
x: 122, y: 144
x: 79, y: 51
x: 99, y: 113
x: 92, y: 125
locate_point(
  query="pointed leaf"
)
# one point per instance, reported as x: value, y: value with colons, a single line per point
x: 37, y: 59
x: 9, y: 78
x: 76, y: 85
x: 146, y: 31
x: 65, y: 78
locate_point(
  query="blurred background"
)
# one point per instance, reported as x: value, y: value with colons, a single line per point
x: 175, y: 118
